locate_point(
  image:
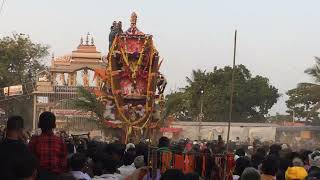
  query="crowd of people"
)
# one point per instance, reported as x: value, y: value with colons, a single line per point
x: 49, y: 156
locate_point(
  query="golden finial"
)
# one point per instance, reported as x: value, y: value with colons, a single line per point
x: 133, y: 19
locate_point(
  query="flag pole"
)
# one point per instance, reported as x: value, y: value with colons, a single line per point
x: 231, y: 101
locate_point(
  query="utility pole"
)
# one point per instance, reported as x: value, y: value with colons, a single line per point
x: 231, y: 102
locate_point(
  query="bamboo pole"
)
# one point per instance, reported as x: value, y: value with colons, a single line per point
x: 231, y: 102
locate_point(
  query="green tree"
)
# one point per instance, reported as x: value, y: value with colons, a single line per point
x: 20, y: 59
x: 253, y: 96
x: 304, y: 100
x: 178, y: 105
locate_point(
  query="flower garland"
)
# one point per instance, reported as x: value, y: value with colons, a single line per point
x: 126, y: 60
x: 112, y: 81
x: 148, y: 108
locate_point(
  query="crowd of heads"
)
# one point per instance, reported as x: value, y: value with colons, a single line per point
x: 278, y: 162
x: 48, y: 156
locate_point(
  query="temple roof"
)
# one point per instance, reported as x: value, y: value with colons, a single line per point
x: 85, y: 55
x: 86, y: 50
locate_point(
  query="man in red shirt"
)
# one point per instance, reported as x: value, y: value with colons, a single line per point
x: 50, y: 150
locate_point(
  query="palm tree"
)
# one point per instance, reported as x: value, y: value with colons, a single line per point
x: 197, y: 80
x: 87, y: 102
x: 185, y: 104
x: 315, y: 70
x: 310, y: 92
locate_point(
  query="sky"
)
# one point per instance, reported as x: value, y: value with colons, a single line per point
x: 276, y: 39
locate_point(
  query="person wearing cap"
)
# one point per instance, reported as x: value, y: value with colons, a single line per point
x: 314, y: 161
x: 130, y: 146
x: 139, y: 162
x: 250, y: 151
x: 284, y: 147
x: 12, y: 148
x: 50, y: 150
x: 141, y: 170
x: 297, y: 162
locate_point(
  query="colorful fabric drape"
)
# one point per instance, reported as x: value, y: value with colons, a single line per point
x: 178, y: 161
x: 189, y: 163
x: 165, y: 161
x: 204, y: 164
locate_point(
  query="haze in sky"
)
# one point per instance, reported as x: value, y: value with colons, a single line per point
x: 276, y: 39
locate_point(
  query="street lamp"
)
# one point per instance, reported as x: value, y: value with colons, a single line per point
x: 201, y: 103
x: 201, y: 114
x: 293, y: 113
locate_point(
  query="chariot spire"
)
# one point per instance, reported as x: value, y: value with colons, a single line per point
x: 133, y: 19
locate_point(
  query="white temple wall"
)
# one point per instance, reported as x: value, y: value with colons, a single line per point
x: 212, y: 132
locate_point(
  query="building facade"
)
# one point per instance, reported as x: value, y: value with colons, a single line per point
x: 60, y: 83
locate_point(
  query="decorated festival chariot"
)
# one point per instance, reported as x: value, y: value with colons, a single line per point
x: 132, y: 86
